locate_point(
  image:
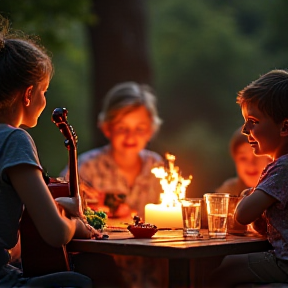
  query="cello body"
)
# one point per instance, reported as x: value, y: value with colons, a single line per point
x: 38, y: 258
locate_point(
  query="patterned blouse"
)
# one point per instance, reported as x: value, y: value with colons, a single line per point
x: 98, y: 170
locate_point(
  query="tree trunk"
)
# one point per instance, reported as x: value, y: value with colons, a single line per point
x: 119, y: 50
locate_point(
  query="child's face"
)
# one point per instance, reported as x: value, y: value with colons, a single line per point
x: 37, y: 104
x: 262, y: 132
x: 129, y: 133
x: 249, y: 166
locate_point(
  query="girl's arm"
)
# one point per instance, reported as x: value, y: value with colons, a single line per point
x: 251, y: 207
x: 54, y: 227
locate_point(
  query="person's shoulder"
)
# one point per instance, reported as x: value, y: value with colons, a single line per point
x: 14, y: 134
x: 282, y: 160
x: 279, y: 166
x: 86, y: 159
x: 8, y: 129
x: 231, y: 181
x: 92, y: 154
x: 232, y: 185
x: 17, y: 147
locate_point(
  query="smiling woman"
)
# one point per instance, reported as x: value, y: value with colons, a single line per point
x: 117, y: 178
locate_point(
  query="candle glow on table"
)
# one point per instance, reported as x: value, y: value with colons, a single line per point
x: 168, y: 214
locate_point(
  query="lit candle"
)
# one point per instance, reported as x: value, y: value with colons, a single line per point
x: 168, y: 214
x: 163, y: 216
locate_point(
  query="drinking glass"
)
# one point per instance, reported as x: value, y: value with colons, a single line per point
x: 191, y: 215
x: 217, y: 210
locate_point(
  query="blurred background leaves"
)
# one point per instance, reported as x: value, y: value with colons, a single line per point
x: 196, y: 54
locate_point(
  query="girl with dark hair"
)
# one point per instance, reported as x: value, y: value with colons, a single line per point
x: 25, y: 73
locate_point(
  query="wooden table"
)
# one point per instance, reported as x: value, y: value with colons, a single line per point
x: 189, y: 260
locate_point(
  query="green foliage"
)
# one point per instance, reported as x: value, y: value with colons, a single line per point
x: 51, y: 19
x: 202, y: 52
x: 69, y: 88
x: 96, y: 219
x: 198, y: 57
x: 59, y: 24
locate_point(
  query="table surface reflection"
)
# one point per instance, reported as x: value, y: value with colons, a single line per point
x: 182, y: 253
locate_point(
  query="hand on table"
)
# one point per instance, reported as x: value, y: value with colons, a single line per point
x: 71, y: 207
x: 86, y: 231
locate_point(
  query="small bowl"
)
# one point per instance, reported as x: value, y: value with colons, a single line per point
x: 142, y: 232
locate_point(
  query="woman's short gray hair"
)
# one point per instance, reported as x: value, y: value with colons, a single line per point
x: 130, y: 95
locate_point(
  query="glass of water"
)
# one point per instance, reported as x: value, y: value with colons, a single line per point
x: 217, y: 210
x: 191, y: 215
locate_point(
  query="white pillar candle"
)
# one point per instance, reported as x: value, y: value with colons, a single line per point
x: 163, y: 216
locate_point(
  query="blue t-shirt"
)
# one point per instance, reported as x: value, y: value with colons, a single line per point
x: 16, y: 147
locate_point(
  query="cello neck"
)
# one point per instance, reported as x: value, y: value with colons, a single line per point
x: 73, y: 174
x: 59, y: 117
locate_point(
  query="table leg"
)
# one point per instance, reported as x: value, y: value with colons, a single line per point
x: 201, y: 269
x: 191, y: 273
x: 179, y: 273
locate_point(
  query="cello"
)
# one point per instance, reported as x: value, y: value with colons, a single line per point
x: 38, y: 257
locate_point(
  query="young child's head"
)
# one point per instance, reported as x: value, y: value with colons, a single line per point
x: 248, y: 166
x: 129, y: 115
x: 264, y: 105
x: 23, y: 64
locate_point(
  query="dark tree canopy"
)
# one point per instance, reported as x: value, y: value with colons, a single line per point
x: 196, y: 54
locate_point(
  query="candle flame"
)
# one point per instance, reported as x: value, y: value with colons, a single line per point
x: 173, y: 184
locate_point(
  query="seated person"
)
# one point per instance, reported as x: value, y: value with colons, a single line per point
x: 117, y: 178
x: 248, y: 166
x: 264, y: 105
x: 25, y: 73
